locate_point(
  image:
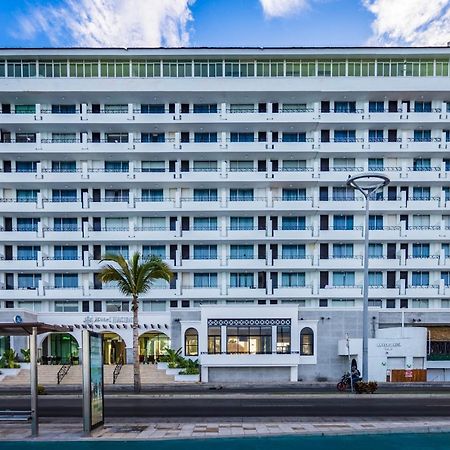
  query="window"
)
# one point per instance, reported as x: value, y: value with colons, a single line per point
x: 205, y: 223
x: 294, y: 194
x: 116, y: 137
x: 63, y: 252
x: 239, y: 280
x: 375, y: 303
x: 205, y: 251
x: 343, y: 303
x: 375, y: 107
x: 307, y: 342
x: 116, y: 224
x: 153, y: 166
x: 27, y: 224
x: 154, y: 250
x: 422, y: 164
x: 25, y: 138
x: 343, y: 279
x: 375, y: 250
x: 376, y: 164
x: 446, y: 249
x: 375, y: 222
x: 64, y: 138
x: 446, y: 191
x: 153, y: 109
x: 293, y: 223
x: 345, y: 107
x: 283, y: 339
x: 116, y: 195
x: 26, y: 166
x: 419, y: 303
x: 214, y: 340
x: 343, y: 193
x: 293, y: 279
x: 344, y: 136
x: 445, y: 276
x: 249, y: 340
x: 117, y: 306
x: 205, y: 280
x: 241, y: 223
x: 242, y: 137
x: 294, y: 137
x: 422, y: 136
x: 421, y: 193
x: 421, y: 221
x: 64, y: 195
x: 241, y: 166
x: 152, y: 138
x: 66, y: 306
x: 422, y: 106
x: 241, y: 252
x: 28, y: 281
x: 152, y: 195
x: 420, y: 279
x: 205, y: 137
x: 205, y: 166
x: 117, y: 250
x: 241, y: 195
x: 376, y: 136
x: 154, y: 305
x: 191, y: 342
x: 294, y: 165
x: 26, y: 195
x: 342, y: 250
x: 343, y: 164
x: 28, y: 252
x: 205, y: 195
x: 116, y: 166
x: 205, y: 108
x: 375, y: 279
x: 293, y: 251
x: 64, y: 166
x: 25, y: 109
x: 342, y: 222
x: 31, y: 306
x: 66, y: 280
x: 64, y: 109
x: 294, y: 107
x: 421, y: 251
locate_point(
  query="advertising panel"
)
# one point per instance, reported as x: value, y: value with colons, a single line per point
x: 96, y: 378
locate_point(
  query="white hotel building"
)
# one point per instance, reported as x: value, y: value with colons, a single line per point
x: 230, y: 164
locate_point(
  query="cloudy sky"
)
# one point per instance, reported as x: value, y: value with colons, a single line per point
x: 152, y: 23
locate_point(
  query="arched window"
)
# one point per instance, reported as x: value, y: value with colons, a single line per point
x: 191, y: 342
x: 307, y: 342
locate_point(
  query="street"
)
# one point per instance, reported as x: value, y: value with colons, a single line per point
x: 238, y: 406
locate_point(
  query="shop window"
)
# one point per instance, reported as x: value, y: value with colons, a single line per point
x: 191, y: 342
x: 307, y: 342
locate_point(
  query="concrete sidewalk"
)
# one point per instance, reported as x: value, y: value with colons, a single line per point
x: 157, y: 429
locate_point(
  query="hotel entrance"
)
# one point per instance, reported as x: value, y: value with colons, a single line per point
x: 60, y: 348
x: 152, y: 346
x: 113, y: 349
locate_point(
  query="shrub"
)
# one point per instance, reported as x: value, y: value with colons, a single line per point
x: 41, y: 390
x: 361, y: 387
x: 190, y: 371
x: 9, y: 360
x: 25, y: 355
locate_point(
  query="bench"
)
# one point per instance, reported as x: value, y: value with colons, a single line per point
x: 16, y: 416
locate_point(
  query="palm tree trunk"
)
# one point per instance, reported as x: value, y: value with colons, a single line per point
x: 136, y: 365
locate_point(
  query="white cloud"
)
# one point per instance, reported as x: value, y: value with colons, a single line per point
x: 110, y: 23
x: 410, y: 22
x: 282, y: 8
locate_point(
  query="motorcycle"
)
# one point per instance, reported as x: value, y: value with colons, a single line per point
x: 346, y: 382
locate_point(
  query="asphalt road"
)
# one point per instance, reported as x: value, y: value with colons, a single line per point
x: 279, y: 406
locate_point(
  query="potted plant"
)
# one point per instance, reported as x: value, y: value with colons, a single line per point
x: 174, y: 360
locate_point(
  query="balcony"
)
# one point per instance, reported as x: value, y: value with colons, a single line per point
x: 9, y: 205
x: 297, y: 234
x: 72, y: 234
x: 422, y: 263
x: 18, y: 264
x: 52, y: 263
x: 339, y: 234
x: 293, y: 291
x: 245, y: 233
x: 294, y: 262
x: 200, y: 292
x: 30, y: 293
x: 67, y: 205
x: 283, y: 204
x: 330, y: 291
x: 413, y: 291
x: 353, y: 263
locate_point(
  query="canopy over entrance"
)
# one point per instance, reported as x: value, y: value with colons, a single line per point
x: 26, y: 328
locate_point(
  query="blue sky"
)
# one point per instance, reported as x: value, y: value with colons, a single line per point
x: 36, y: 23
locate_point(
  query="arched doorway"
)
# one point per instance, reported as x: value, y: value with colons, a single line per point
x: 191, y: 342
x: 60, y: 348
x: 113, y: 349
x: 152, y: 346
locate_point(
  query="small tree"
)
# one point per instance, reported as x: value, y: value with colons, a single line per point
x: 134, y: 278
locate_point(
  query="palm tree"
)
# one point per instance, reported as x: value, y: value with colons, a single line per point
x: 134, y: 278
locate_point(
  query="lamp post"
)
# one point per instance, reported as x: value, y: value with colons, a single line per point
x: 367, y: 184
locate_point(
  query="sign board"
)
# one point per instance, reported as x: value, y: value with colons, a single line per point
x: 93, y: 398
x: 408, y: 373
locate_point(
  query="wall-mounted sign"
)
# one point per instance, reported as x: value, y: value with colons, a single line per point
x: 89, y: 320
x: 389, y: 345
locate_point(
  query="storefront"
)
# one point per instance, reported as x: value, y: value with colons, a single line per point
x: 152, y: 346
x: 60, y: 348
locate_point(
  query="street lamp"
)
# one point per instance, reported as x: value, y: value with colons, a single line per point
x: 367, y: 184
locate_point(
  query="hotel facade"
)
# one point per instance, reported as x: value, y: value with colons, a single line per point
x: 231, y: 165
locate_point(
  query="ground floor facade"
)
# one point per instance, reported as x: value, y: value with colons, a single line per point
x: 255, y: 343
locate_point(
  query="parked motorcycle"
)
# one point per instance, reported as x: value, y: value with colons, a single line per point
x: 346, y: 382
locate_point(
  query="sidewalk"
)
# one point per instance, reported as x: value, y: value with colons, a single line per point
x: 157, y: 429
